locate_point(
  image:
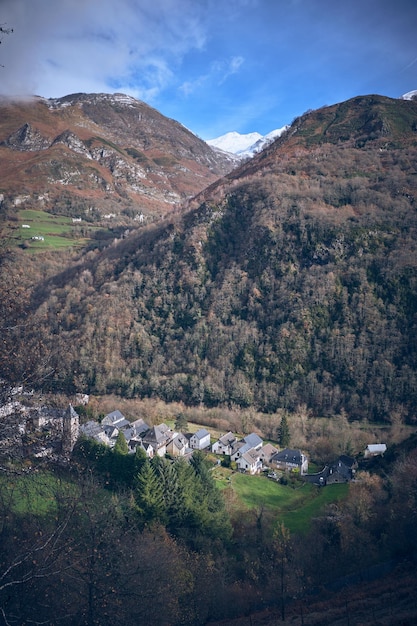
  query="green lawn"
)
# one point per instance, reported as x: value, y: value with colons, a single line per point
x: 56, y: 231
x: 295, y: 507
x: 36, y: 493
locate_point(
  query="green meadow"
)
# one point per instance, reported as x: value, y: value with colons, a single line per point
x: 294, y: 505
x: 34, y: 493
x: 54, y: 231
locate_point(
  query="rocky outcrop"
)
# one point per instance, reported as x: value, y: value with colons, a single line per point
x: 27, y: 138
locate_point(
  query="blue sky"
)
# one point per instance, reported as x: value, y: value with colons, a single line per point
x: 213, y: 65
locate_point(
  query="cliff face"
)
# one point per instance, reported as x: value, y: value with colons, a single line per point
x: 102, y: 153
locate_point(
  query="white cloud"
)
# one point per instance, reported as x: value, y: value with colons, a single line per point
x: 218, y: 73
x: 77, y: 45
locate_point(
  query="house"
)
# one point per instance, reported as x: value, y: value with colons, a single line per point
x: 95, y: 431
x: 253, y: 440
x: 290, y: 460
x: 375, y: 449
x: 177, y: 446
x: 200, y: 440
x: 225, y: 444
x: 266, y: 453
x: 117, y: 419
x: 250, y: 462
x: 250, y: 442
x: 140, y: 427
x: 158, y: 437
x: 341, y: 471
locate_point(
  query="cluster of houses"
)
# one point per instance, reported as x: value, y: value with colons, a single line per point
x: 250, y: 453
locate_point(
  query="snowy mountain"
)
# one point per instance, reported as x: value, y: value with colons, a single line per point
x: 410, y: 95
x: 244, y: 146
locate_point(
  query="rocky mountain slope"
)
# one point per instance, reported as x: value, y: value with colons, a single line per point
x: 87, y: 155
x: 290, y: 281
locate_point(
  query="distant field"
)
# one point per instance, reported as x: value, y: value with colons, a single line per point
x: 293, y: 506
x: 39, y: 230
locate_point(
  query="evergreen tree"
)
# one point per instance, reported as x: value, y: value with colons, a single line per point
x: 149, y: 495
x: 284, y: 433
x: 120, y: 447
x: 181, y: 423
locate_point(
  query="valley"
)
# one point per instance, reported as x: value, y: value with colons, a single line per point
x: 144, y: 269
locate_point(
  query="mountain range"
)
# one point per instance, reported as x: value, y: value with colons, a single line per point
x: 87, y: 155
x: 289, y: 281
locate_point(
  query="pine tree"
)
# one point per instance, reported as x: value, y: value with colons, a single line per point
x: 149, y: 495
x: 120, y: 447
x: 284, y: 433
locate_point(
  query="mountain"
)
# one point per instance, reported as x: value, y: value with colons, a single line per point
x: 410, y: 95
x: 245, y: 146
x: 87, y: 155
x: 290, y: 281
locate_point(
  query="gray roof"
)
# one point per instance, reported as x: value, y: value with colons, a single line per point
x: 288, y: 456
x: 200, y: 434
x: 113, y: 418
x: 228, y: 439
x: 253, y: 440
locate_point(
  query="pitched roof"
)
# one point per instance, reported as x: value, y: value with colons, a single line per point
x: 227, y: 439
x: 200, y: 434
x: 288, y: 456
x: 253, y: 440
x: 114, y: 418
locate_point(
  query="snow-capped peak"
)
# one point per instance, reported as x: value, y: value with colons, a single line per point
x: 234, y: 142
x: 410, y: 95
x: 244, y: 146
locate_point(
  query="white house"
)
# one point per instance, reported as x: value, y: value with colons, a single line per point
x: 250, y: 462
x: 200, y: 440
x: 250, y: 442
x: 225, y: 444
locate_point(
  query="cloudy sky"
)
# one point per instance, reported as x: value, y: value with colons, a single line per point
x: 213, y: 65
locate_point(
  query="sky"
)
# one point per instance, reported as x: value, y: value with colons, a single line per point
x: 213, y: 65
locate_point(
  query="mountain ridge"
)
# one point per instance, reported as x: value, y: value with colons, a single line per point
x: 289, y: 281
x: 103, y: 151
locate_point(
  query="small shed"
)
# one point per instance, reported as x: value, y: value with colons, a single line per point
x: 375, y: 449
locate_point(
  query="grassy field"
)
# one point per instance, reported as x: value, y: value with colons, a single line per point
x: 45, y: 232
x: 295, y: 506
x: 36, y: 493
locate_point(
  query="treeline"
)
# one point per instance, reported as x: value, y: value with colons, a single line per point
x: 87, y: 549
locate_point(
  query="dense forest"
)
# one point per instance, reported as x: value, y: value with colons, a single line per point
x: 118, y: 539
x: 291, y: 281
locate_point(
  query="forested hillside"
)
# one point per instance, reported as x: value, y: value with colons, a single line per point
x: 293, y: 280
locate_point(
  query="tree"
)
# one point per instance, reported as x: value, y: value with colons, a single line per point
x: 149, y: 495
x: 284, y: 432
x: 181, y: 423
x: 120, y: 447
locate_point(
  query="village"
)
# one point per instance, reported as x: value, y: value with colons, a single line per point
x: 51, y: 433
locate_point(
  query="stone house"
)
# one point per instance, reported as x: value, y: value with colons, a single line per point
x: 290, y: 460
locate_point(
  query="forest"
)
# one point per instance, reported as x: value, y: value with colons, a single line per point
x: 297, y: 288
x: 116, y: 538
